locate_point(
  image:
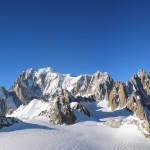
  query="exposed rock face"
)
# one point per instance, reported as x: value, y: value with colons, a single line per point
x: 141, y: 84
x: 7, y: 121
x: 80, y: 107
x: 140, y: 94
x: 122, y: 95
x: 63, y: 89
x: 25, y: 86
x: 62, y: 108
x: 117, y: 96
x: 135, y: 105
x: 60, y: 111
x: 8, y: 101
x: 113, y: 99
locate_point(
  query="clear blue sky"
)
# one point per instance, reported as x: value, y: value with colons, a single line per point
x: 74, y: 36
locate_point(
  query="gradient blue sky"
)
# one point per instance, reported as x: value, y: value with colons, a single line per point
x: 74, y: 36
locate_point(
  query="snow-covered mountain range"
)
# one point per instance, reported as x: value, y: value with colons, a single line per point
x: 60, y: 97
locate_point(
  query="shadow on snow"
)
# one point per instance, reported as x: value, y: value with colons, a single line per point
x: 24, y: 126
x: 99, y: 115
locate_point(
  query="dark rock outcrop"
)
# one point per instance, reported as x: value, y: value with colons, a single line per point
x: 8, y: 101
x: 80, y: 107
x: 7, y: 121
x: 60, y: 111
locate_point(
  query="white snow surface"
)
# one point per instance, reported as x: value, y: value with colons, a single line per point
x: 73, y: 104
x: 39, y: 134
x: 32, y: 110
x: 88, y: 133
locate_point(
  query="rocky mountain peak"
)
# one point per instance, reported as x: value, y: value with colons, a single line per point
x: 29, y: 71
x: 141, y: 71
x: 97, y: 73
x: 45, y: 70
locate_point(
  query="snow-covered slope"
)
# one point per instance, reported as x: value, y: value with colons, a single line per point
x: 38, y: 134
x: 34, y: 109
